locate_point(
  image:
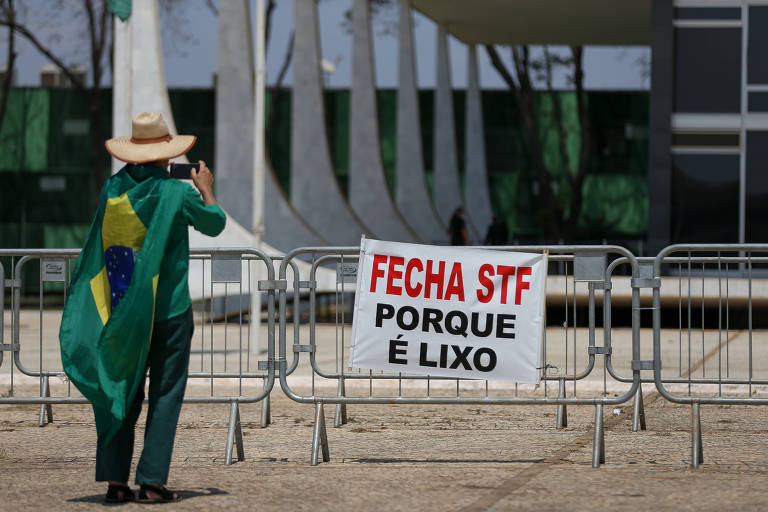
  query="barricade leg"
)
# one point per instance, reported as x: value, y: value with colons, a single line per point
x: 266, y: 410
x: 598, y: 445
x: 45, y: 409
x: 234, y: 435
x: 319, y: 437
x: 340, y: 417
x: 638, y: 411
x: 697, y: 451
x: 561, y: 419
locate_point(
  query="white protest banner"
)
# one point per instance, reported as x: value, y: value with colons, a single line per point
x: 449, y: 311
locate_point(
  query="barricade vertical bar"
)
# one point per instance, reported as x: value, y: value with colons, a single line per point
x: 575, y: 322
x: 45, y: 409
x: 689, y: 323
x: 703, y: 349
x: 727, y: 324
x: 16, y: 305
x: 266, y: 409
x: 697, y: 451
x: 680, y: 318
x: 340, y: 416
x: 749, y: 316
x: 598, y: 445
x: 319, y: 437
x: 2, y: 310
x: 565, y: 324
x: 638, y: 411
x: 561, y: 419
x: 719, y: 327
x: 234, y: 435
x: 40, y: 328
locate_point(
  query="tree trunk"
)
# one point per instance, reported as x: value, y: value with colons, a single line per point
x: 6, y: 86
x: 97, y: 143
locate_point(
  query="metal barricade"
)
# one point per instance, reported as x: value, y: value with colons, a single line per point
x: 692, y: 284
x: 623, y: 285
x: 231, y: 284
x: 3, y: 346
x: 588, y: 265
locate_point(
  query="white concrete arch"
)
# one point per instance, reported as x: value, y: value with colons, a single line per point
x: 284, y: 229
x: 412, y: 196
x: 368, y: 191
x: 315, y: 192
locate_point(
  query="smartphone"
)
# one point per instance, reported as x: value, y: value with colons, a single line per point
x: 183, y: 171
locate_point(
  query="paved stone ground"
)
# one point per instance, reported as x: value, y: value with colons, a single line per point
x: 408, y: 457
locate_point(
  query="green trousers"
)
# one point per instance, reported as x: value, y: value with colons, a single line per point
x: 168, y: 364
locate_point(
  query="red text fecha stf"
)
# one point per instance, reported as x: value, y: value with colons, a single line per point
x: 420, y: 278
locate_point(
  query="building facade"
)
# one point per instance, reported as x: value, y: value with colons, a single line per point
x: 708, y: 122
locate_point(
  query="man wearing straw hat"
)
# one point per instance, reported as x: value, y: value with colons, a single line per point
x: 129, y: 288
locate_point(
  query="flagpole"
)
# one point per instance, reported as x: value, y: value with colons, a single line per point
x: 258, y: 164
x: 121, y: 83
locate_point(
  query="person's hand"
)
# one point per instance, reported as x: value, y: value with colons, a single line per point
x: 203, y: 180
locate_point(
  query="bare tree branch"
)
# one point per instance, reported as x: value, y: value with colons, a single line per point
x: 104, y: 27
x: 268, y: 23
x: 212, y: 7
x: 498, y: 64
x: 557, y: 112
x: 9, y: 13
x: 29, y: 36
x: 550, y: 207
x: 95, y: 68
x: 586, y: 138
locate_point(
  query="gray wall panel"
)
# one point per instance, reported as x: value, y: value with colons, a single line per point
x: 478, y: 198
x: 411, y: 193
x: 315, y: 193
x: 368, y: 191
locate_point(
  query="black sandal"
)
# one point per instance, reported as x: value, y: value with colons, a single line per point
x: 119, y: 493
x: 165, y: 496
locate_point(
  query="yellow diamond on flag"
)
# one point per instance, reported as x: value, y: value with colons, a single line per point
x: 121, y: 226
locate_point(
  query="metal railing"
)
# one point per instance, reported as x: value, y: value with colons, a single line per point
x: 732, y: 272
x: 232, y: 282
x: 588, y: 264
x: 699, y: 300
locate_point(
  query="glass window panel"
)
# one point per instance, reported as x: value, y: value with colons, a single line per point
x: 756, y: 228
x: 758, y: 102
x: 708, y: 70
x: 706, y: 139
x: 757, y: 46
x: 708, y: 13
x: 705, y: 198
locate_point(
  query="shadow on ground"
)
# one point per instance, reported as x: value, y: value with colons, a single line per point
x: 185, y: 495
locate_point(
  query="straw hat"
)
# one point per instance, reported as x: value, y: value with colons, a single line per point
x: 150, y: 141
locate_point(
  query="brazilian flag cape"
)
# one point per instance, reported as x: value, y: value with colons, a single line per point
x: 109, y: 313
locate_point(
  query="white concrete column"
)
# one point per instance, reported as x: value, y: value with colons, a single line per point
x: 368, y: 191
x: 148, y: 88
x: 121, y: 83
x: 411, y: 194
x: 476, y: 192
x: 447, y: 191
x: 315, y: 192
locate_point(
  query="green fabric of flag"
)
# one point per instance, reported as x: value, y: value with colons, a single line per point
x: 107, y: 322
x: 120, y: 8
